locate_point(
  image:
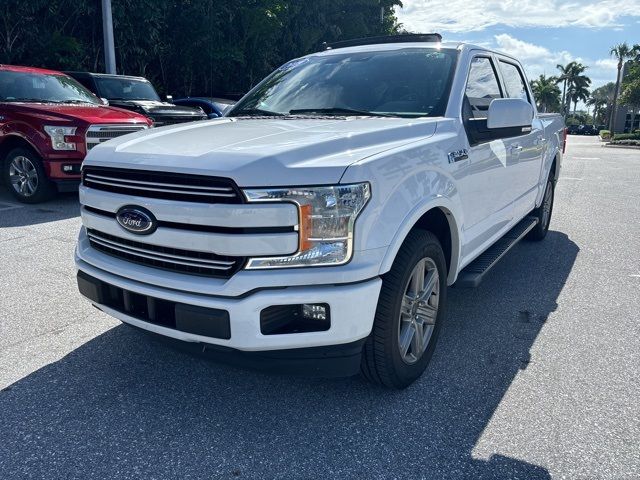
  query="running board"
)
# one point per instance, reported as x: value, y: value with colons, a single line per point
x: 472, y: 274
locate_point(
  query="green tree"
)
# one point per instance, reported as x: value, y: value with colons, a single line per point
x: 630, y: 91
x: 198, y: 47
x: 622, y: 52
x: 575, y: 84
x: 565, y: 71
x: 546, y: 92
x: 602, y: 97
x: 579, y: 90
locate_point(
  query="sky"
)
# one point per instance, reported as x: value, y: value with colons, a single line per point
x: 540, y: 33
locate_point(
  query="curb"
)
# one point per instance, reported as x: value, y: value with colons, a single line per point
x: 630, y: 147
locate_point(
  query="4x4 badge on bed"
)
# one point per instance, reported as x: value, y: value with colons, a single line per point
x: 136, y: 220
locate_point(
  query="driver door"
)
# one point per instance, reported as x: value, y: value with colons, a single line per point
x: 484, y: 177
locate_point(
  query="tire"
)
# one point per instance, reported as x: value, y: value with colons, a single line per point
x: 25, y: 177
x: 543, y: 214
x: 383, y: 362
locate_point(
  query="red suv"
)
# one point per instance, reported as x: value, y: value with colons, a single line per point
x: 48, y: 123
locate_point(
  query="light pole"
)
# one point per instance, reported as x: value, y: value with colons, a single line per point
x: 107, y: 33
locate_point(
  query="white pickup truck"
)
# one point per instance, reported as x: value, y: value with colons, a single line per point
x: 317, y: 226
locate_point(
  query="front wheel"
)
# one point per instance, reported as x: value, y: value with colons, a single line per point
x: 25, y: 176
x: 543, y: 214
x: 409, y: 313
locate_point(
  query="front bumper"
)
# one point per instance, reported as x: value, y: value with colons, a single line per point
x: 352, y: 309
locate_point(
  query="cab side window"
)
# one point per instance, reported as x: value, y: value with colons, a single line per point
x: 513, y: 81
x: 482, y: 87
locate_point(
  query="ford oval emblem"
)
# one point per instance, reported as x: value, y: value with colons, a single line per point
x: 136, y: 220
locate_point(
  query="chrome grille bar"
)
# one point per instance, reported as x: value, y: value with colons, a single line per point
x: 96, y: 134
x: 93, y: 176
x: 165, y: 190
x: 179, y: 259
x: 167, y: 258
x: 159, y: 184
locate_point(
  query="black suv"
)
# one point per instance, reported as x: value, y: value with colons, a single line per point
x: 137, y: 94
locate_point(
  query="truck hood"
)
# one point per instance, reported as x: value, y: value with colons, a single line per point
x: 153, y: 107
x: 75, y: 113
x: 262, y: 152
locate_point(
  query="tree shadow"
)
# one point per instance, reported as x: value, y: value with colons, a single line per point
x: 124, y: 405
x: 16, y: 214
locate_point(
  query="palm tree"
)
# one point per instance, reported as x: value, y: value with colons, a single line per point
x: 599, y: 104
x: 564, y: 77
x: 622, y: 52
x: 546, y: 92
x: 579, y: 90
x: 603, y: 96
x: 573, y: 81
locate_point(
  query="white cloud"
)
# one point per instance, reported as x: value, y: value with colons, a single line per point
x: 540, y: 60
x: 467, y: 15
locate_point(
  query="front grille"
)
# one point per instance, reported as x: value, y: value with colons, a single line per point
x: 167, y: 258
x: 165, y: 185
x: 164, y: 121
x: 97, y: 134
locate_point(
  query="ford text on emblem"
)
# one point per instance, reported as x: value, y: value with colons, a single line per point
x: 136, y: 220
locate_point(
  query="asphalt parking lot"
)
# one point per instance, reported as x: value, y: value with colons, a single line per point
x: 535, y: 375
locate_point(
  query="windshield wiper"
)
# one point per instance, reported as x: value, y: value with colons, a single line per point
x: 76, y: 101
x: 34, y: 100
x: 338, y: 111
x: 256, y: 112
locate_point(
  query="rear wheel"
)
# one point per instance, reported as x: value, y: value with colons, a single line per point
x: 543, y: 214
x: 409, y: 313
x: 25, y: 177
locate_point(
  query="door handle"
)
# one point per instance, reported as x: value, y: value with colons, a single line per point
x: 516, y: 149
x: 540, y: 141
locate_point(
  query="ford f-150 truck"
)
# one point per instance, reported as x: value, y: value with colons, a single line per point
x: 138, y: 95
x: 48, y: 122
x: 319, y: 225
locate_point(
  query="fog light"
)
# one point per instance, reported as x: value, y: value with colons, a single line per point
x: 301, y: 318
x: 71, y: 168
x: 315, y: 311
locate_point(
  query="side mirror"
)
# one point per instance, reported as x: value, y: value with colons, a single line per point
x: 104, y: 101
x: 509, y: 113
x: 169, y: 98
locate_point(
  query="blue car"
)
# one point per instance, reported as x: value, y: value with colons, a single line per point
x: 213, y: 107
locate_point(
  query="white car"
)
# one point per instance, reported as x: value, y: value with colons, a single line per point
x: 317, y: 227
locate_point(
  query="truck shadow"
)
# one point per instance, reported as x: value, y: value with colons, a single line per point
x: 16, y: 214
x: 123, y: 404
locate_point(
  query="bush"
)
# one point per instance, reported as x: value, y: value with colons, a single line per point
x: 605, y: 134
x: 626, y: 136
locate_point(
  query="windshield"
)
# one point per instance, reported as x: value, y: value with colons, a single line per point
x: 412, y: 82
x: 125, y: 89
x: 45, y: 88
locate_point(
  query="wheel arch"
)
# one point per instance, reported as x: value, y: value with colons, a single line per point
x: 15, y: 141
x: 439, y: 219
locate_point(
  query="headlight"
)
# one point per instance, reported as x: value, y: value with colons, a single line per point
x: 58, y: 135
x: 326, y: 219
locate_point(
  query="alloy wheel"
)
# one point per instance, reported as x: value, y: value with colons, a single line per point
x: 418, y: 311
x: 23, y: 176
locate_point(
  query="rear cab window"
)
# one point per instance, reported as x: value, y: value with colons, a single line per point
x: 513, y: 81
